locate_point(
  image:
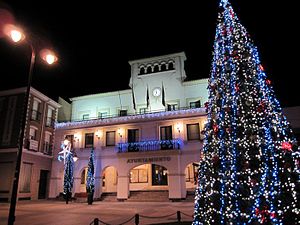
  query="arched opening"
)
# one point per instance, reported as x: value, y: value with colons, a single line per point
x: 171, y: 66
x: 149, y: 182
x: 156, y: 69
x: 191, y: 176
x: 109, y: 180
x: 83, y: 176
x: 163, y: 67
x: 142, y: 71
x: 149, y: 69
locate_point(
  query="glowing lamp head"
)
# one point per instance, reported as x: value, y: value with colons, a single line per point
x: 48, y: 56
x: 14, y: 33
x: 50, y: 59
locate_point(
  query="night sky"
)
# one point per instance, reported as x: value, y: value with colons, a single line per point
x: 95, y: 41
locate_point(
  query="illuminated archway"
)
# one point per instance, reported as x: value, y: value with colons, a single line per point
x: 109, y: 180
x: 191, y: 176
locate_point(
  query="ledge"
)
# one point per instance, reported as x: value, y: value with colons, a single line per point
x: 133, y: 118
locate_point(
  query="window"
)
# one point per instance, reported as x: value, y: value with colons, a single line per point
x: 142, y: 71
x: 102, y: 115
x: 143, y: 110
x: 123, y: 112
x: 83, y: 176
x: 110, y: 138
x: 133, y: 135
x: 89, y: 140
x: 193, y: 132
x: 156, y: 69
x: 149, y: 69
x: 47, y: 146
x: 49, y: 121
x: 170, y: 66
x: 26, y: 178
x: 166, y: 137
x: 194, y: 105
x: 85, y: 116
x: 138, y: 176
x: 33, y: 133
x: 172, y: 107
x: 159, y: 175
x: 35, y: 115
x: 166, y: 133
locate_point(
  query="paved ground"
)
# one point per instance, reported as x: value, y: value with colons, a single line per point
x: 59, y: 213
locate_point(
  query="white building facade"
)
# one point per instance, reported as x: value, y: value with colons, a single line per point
x: 146, y: 138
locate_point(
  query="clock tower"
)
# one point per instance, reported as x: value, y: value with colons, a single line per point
x: 157, y: 73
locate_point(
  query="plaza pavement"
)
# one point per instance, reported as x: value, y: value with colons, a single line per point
x: 59, y: 213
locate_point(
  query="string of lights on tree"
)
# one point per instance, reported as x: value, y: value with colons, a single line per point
x: 249, y: 172
x: 90, y: 179
x: 68, y: 175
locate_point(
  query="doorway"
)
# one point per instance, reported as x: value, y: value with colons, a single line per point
x: 43, y: 184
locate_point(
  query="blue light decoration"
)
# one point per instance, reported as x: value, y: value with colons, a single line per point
x: 68, y: 176
x: 90, y: 179
x: 249, y: 170
x: 150, y: 145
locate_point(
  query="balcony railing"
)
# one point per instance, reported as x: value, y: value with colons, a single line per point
x: 151, y: 145
x: 35, y: 115
x: 32, y: 145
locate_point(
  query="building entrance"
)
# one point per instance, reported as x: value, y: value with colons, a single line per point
x: 43, y: 184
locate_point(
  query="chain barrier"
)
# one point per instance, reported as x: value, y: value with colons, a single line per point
x: 137, y: 217
x: 156, y: 217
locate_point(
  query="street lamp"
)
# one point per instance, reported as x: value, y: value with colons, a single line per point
x: 16, y: 35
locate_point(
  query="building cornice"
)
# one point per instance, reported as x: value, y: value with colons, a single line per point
x: 34, y: 92
x: 195, y: 82
x: 106, y: 94
x: 144, y: 60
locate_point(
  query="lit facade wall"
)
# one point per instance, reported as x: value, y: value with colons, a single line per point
x: 152, y: 147
x: 37, y: 146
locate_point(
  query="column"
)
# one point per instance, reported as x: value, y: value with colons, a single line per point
x: 123, y: 187
x: 177, y: 188
x: 98, y: 187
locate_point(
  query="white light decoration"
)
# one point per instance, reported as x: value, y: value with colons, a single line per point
x: 66, y: 149
x: 249, y: 173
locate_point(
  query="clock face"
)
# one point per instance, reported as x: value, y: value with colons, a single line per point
x: 156, y: 92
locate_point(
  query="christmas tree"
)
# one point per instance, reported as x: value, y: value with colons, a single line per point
x: 68, y: 176
x: 90, y: 179
x: 249, y: 172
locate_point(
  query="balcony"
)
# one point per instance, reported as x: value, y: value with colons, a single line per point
x: 151, y: 145
x: 32, y: 145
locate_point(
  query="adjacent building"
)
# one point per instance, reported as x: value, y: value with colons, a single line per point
x: 37, y: 144
x: 146, y: 138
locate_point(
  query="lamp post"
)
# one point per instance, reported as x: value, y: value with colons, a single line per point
x: 16, y: 35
